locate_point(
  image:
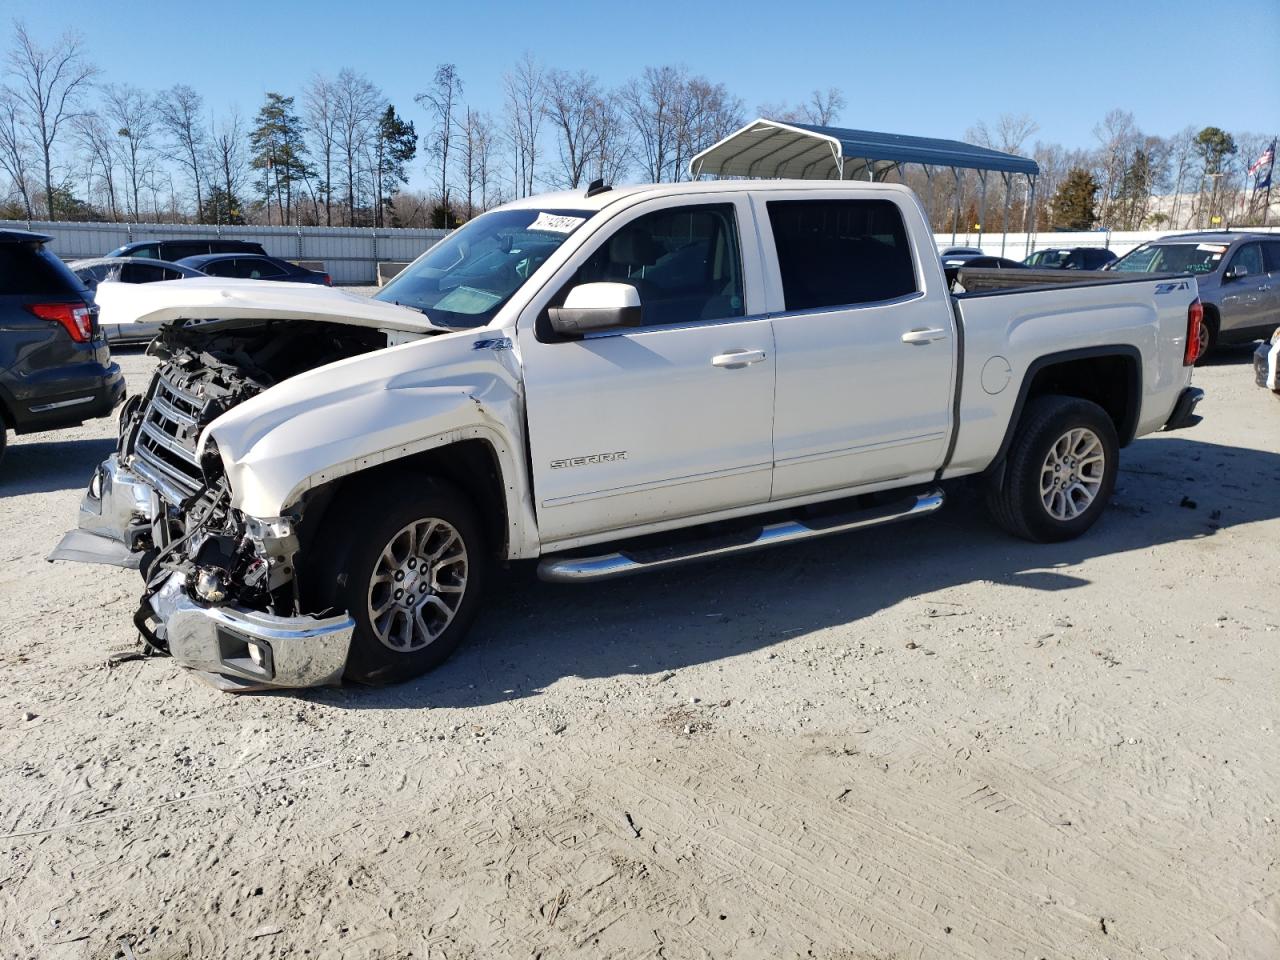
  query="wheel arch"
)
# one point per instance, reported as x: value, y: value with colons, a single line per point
x: 1077, y: 373
x: 470, y: 460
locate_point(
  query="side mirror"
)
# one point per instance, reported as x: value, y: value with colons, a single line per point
x: 597, y: 306
x: 1238, y: 272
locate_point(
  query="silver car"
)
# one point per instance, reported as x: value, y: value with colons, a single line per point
x: 1238, y: 275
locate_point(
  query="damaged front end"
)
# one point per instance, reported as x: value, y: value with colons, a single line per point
x: 222, y: 590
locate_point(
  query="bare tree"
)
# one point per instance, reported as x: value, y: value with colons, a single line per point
x: 357, y: 105
x: 706, y: 113
x: 15, y: 152
x: 611, y: 140
x: 227, y: 147
x: 99, y: 145
x: 525, y: 107
x: 652, y: 103
x: 178, y: 110
x: 1118, y: 136
x: 441, y: 100
x: 322, y: 121
x: 824, y: 108
x: 571, y: 108
x: 50, y: 84
x: 131, y: 113
x: 1010, y: 133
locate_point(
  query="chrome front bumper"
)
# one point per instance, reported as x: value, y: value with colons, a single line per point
x: 115, y: 512
x: 237, y: 649
x: 229, y: 647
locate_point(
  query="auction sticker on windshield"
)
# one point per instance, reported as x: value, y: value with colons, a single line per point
x: 556, y: 223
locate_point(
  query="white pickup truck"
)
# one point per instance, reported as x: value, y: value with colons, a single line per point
x: 316, y: 485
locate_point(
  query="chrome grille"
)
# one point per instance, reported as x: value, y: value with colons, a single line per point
x: 167, y: 437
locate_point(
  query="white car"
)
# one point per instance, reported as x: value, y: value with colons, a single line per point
x: 316, y: 486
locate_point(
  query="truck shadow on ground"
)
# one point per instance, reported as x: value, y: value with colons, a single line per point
x: 532, y: 634
x: 46, y: 466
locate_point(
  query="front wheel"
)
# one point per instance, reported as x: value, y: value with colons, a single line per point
x: 1059, y: 473
x: 407, y: 560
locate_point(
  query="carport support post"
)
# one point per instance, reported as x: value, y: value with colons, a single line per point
x: 1031, y: 223
x: 955, y: 213
x: 982, y: 207
x: 929, y: 202
x: 1008, y: 189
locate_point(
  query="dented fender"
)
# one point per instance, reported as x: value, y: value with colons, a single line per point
x: 376, y: 408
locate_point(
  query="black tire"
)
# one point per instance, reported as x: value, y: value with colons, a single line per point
x: 1209, y: 342
x: 4, y: 439
x: 1013, y: 494
x: 357, y: 528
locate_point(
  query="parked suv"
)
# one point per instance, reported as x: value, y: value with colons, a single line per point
x: 177, y: 249
x: 1070, y: 258
x: 1238, y: 275
x: 55, y: 367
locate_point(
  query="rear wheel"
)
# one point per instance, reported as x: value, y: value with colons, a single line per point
x: 4, y: 439
x: 1059, y: 473
x: 407, y: 559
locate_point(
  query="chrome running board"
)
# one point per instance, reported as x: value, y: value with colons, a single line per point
x: 626, y: 562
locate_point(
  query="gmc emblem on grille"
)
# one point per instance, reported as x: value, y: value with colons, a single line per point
x: 591, y: 458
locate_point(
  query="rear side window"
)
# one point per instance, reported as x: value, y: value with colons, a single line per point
x: 835, y: 253
x: 141, y: 273
x: 684, y: 262
x: 176, y: 251
x: 1271, y: 251
x: 221, y: 268
x: 30, y: 269
x: 258, y: 269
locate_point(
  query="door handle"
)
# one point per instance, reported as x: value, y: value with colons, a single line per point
x: 735, y: 359
x: 922, y: 336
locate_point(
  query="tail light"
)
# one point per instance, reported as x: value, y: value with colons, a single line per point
x: 1195, y: 318
x: 76, y: 320
x: 328, y: 280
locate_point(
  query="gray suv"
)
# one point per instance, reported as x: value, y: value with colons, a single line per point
x: 1238, y: 275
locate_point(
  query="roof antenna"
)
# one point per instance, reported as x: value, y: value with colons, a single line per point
x: 597, y: 186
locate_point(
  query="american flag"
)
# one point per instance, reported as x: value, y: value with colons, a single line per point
x: 1268, y: 157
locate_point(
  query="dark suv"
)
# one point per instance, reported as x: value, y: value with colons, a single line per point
x: 177, y: 249
x: 55, y: 367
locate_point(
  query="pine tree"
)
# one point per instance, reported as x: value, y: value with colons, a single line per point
x: 1073, y: 204
x: 279, y: 153
x: 396, y: 145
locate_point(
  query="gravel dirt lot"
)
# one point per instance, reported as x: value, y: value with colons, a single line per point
x: 932, y: 742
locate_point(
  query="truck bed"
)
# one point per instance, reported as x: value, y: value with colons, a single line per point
x: 980, y: 282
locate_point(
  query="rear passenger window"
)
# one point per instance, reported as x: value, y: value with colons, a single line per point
x: 28, y: 268
x: 1272, y: 252
x: 684, y: 262
x: 835, y: 253
x: 176, y: 251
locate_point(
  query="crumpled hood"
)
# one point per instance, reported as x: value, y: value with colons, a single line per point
x: 365, y: 410
x: 205, y: 300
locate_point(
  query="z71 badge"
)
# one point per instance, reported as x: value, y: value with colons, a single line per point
x: 589, y: 459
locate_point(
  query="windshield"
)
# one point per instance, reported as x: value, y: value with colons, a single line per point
x: 466, y: 278
x: 1172, y: 258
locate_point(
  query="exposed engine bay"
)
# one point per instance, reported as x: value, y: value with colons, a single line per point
x: 223, y: 556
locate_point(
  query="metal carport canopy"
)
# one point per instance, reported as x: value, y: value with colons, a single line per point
x: 770, y: 148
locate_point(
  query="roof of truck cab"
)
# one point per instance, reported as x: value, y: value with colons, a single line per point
x: 578, y: 199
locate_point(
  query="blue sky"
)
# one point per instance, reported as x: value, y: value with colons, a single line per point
x: 908, y: 67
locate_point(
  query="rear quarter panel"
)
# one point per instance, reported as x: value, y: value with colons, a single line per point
x: 1006, y: 333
